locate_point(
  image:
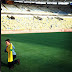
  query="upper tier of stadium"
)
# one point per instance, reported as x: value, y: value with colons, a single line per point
x: 17, y: 8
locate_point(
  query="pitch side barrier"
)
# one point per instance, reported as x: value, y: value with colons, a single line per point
x: 56, y: 2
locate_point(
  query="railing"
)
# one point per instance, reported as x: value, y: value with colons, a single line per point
x: 59, y: 2
x: 46, y: 0
x: 43, y: 0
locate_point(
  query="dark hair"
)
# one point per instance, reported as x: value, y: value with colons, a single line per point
x: 7, y: 40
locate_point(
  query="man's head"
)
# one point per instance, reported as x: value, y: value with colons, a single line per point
x: 7, y: 42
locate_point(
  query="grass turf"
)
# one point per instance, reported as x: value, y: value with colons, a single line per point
x: 39, y: 52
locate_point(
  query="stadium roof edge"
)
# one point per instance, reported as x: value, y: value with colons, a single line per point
x: 45, y: 2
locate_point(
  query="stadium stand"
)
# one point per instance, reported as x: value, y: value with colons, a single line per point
x: 21, y: 8
x: 35, y: 17
x: 31, y: 22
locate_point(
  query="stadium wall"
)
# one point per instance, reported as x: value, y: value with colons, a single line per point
x: 33, y: 31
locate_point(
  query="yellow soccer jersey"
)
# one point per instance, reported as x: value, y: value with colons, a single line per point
x: 10, y: 55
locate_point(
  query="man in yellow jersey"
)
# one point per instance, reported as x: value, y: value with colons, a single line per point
x: 11, y: 54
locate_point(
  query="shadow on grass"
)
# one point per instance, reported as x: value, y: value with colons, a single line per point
x: 55, y: 67
x: 4, y: 64
x: 59, y: 40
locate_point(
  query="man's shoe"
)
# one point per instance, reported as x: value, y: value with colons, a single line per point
x: 18, y: 61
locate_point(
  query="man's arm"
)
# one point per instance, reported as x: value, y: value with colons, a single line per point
x: 13, y: 46
x: 5, y: 49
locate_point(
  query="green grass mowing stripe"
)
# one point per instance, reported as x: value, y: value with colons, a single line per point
x: 38, y: 53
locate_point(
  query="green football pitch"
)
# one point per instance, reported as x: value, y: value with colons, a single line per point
x: 39, y: 52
